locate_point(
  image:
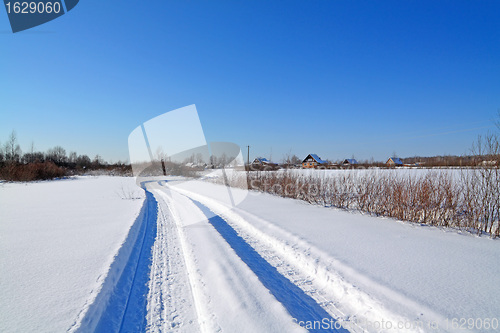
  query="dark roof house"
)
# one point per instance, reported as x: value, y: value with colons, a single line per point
x: 262, y: 161
x: 349, y: 161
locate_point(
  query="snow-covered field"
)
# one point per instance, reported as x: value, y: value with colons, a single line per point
x: 192, y: 262
x: 57, y: 242
x: 403, y: 172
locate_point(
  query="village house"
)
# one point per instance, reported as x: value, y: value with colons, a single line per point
x: 394, y: 161
x: 349, y: 161
x: 313, y: 161
x: 262, y: 162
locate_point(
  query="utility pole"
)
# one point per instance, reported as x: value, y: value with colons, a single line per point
x: 248, y: 155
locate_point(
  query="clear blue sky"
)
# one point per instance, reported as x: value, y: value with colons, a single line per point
x: 336, y: 78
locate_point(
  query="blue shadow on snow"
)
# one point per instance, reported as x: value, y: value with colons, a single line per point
x: 301, y: 306
x: 125, y: 310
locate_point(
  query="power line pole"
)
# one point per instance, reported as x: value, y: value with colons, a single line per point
x: 248, y: 155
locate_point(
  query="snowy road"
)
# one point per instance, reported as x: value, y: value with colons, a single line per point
x: 189, y: 261
x: 213, y: 270
x: 214, y: 267
x: 249, y: 270
x: 187, y: 270
x: 229, y: 287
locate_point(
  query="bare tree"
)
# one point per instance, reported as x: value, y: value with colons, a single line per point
x: 31, y: 156
x: 199, y: 159
x: 290, y: 161
x: 295, y: 159
x: 213, y: 161
x: 72, y: 157
x: 190, y: 159
x: 98, y: 161
x: 12, y: 149
x: 32, y: 151
x: 57, y: 155
x: 161, y: 155
x: 83, y: 161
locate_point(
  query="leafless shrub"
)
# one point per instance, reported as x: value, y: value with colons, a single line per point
x: 470, y: 202
x: 129, y: 194
x: 481, y: 187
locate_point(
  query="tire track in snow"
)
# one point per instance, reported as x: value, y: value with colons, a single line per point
x: 171, y: 306
x: 120, y: 306
x: 301, y: 306
x: 205, y: 320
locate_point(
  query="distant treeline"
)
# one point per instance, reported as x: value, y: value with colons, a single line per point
x: 54, y: 163
x: 434, y: 161
x: 449, y: 160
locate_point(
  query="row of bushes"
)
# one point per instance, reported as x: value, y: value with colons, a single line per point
x: 15, y: 171
x: 31, y: 171
x: 468, y: 200
x: 55, y: 163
